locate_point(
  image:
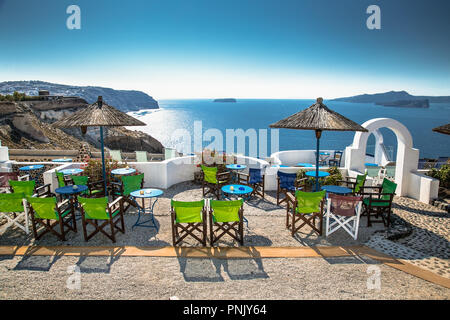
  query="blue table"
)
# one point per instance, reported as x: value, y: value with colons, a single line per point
x: 280, y: 166
x: 62, y: 160
x: 69, y: 172
x: 143, y: 194
x: 235, y: 167
x: 336, y: 189
x: 312, y: 174
x: 238, y: 190
x: 368, y: 164
x: 71, y: 192
x: 123, y: 171
x: 32, y: 167
x: 304, y: 164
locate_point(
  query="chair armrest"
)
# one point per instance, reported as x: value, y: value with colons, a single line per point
x: 290, y: 197
x: 300, y: 182
x: 43, y: 191
x: 24, y: 178
x: 63, y: 204
x: 116, y: 203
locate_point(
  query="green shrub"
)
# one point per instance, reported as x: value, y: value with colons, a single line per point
x: 443, y: 175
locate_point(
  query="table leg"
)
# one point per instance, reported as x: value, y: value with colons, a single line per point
x: 142, y: 210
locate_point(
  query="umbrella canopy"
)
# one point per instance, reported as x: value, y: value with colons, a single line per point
x: 445, y: 129
x: 318, y: 117
x: 98, y: 114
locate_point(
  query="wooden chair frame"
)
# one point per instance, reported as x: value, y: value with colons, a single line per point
x: 215, y: 188
x: 299, y: 183
x: 187, y: 229
x: 118, y: 187
x: 336, y: 161
x: 112, y: 221
x: 378, y: 211
x: 307, y: 219
x: 227, y: 228
x: 258, y: 187
x: 49, y: 224
x: 350, y: 182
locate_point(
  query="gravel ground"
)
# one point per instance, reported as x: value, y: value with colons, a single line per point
x: 36, y: 277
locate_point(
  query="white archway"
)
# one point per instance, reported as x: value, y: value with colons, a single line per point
x: 407, y: 157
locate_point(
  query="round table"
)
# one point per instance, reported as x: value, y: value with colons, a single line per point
x: 312, y: 174
x: 369, y: 164
x: 304, y: 164
x: 33, y: 167
x: 62, y: 160
x: 238, y: 190
x: 68, y: 172
x: 71, y: 191
x: 336, y: 189
x: 123, y: 171
x: 234, y: 168
x: 142, y: 194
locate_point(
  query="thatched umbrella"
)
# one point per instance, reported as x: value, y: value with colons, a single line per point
x: 318, y: 117
x: 445, y: 129
x: 101, y: 115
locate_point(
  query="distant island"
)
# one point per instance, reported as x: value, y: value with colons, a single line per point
x: 124, y: 100
x: 225, y: 100
x: 392, y: 98
x: 406, y: 103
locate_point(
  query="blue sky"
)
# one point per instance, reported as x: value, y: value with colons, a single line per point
x: 228, y: 48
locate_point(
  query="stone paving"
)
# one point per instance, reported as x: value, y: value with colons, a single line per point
x: 428, y: 242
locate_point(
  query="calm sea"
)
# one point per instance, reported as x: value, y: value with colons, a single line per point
x: 259, y: 114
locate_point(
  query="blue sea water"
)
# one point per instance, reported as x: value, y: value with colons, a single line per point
x: 259, y: 114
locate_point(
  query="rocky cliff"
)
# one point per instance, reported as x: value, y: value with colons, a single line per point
x: 387, y: 97
x: 124, y: 100
x: 27, y: 125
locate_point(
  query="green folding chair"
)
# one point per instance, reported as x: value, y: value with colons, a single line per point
x: 127, y: 185
x: 354, y: 183
x: 62, y: 180
x: 12, y: 208
x: 305, y: 208
x: 188, y: 219
x: 378, y: 202
x: 95, y: 189
x: 115, y: 155
x: 228, y: 219
x: 141, y: 156
x: 27, y: 188
x: 47, y: 212
x: 94, y: 210
x: 213, y: 181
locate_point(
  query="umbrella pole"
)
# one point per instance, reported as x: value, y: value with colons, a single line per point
x: 103, y: 160
x: 318, y: 134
